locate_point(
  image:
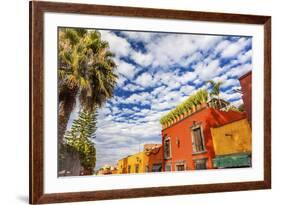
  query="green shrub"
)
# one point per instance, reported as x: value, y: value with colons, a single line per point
x: 200, y: 97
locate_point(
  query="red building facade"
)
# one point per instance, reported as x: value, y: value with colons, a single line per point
x: 187, y: 144
x: 246, y: 87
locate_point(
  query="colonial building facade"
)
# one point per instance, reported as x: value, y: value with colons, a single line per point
x: 149, y: 160
x: 232, y: 144
x: 188, y: 143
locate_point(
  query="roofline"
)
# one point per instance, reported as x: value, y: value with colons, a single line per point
x: 245, y: 75
x: 197, y: 111
x: 242, y: 117
x: 229, y: 122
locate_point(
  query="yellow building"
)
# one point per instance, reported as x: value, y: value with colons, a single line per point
x: 232, y: 144
x: 133, y: 163
x: 235, y: 137
x: 149, y: 160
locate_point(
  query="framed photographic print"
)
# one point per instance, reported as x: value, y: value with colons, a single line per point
x: 134, y: 102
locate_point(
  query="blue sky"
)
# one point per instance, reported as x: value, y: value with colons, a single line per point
x: 156, y: 72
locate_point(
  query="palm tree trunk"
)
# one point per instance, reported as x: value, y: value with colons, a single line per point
x: 65, y: 109
x: 219, y: 101
x: 66, y: 106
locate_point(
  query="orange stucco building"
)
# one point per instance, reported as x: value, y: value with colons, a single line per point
x: 187, y: 144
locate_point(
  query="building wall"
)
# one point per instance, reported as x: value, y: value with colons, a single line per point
x: 156, y: 158
x: 181, y: 131
x: 142, y: 160
x: 246, y: 86
x: 232, y: 138
x: 122, y: 166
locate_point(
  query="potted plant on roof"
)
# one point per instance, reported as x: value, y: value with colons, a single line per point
x: 198, y: 101
x: 170, y: 117
x: 178, y: 113
x: 174, y: 116
x: 203, y: 98
x: 169, y: 122
x: 193, y: 102
x: 182, y: 110
x: 189, y: 106
x: 163, y: 122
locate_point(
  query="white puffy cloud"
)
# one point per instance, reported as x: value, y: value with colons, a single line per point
x: 121, y: 81
x: 187, y: 77
x: 140, y: 36
x: 197, y: 81
x: 132, y: 87
x: 166, y: 50
x: 128, y: 70
x: 143, y: 59
x: 230, y: 96
x: 137, y: 98
x: 207, y: 41
x: 234, y: 48
x: 208, y: 71
x: 158, y: 90
x: 145, y: 80
x: 170, y: 49
x: 239, y: 70
x: 222, y: 45
x: 119, y: 46
x: 230, y: 82
x: 186, y: 90
x: 244, y: 57
x: 192, y: 58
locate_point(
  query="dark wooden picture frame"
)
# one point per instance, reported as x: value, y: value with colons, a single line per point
x: 36, y: 191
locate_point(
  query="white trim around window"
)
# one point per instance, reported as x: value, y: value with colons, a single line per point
x: 193, y: 127
x: 166, y: 138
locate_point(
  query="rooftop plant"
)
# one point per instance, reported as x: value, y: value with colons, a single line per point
x: 233, y: 108
x: 200, y: 97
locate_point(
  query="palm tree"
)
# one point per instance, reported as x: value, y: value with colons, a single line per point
x: 215, y: 89
x: 86, y: 72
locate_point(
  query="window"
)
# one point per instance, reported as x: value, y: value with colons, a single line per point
x: 129, y: 169
x: 200, y: 164
x: 168, y: 168
x: 157, y: 168
x: 180, y: 167
x: 167, y: 148
x: 137, y: 168
x: 197, y: 140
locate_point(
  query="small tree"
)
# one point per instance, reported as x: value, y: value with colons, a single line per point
x: 78, y: 139
x: 215, y: 89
